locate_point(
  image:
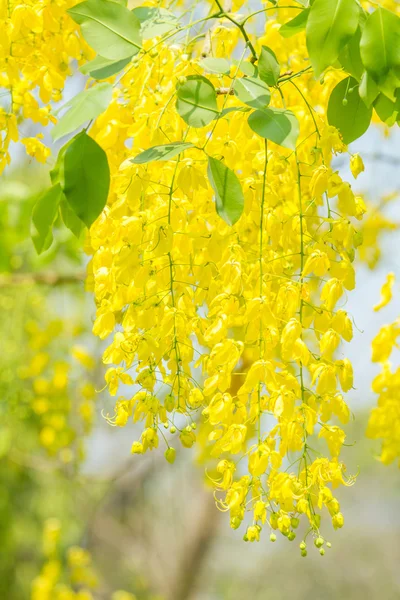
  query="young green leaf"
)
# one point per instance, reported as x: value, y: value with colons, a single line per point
x: 70, y: 220
x: 296, y: 25
x: 350, y: 57
x: 163, y: 152
x: 226, y: 111
x: 86, y: 178
x: 390, y: 83
x: 108, y: 27
x: 268, y: 66
x: 330, y: 25
x: 380, y: 43
x: 252, y: 91
x: 368, y: 89
x: 387, y: 111
x: 85, y: 106
x: 197, y: 101
x: 220, y: 66
x: 228, y: 192
x: 154, y: 21
x: 278, y: 125
x: 246, y: 67
x: 347, y: 111
x: 103, y: 68
x: 43, y: 216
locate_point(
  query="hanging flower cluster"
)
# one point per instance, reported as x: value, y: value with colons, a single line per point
x: 61, y: 420
x: 185, y: 291
x: 374, y: 226
x: 69, y: 577
x: 384, y: 422
x: 222, y: 272
x: 37, y: 43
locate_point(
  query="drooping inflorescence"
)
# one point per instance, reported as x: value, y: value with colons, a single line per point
x: 238, y: 325
x: 221, y: 264
x: 384, y: 420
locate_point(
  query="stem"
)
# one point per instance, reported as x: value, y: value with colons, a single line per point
x: 304, y: 454
x: 228, y: 93
x: 241, y: 28
x: 262, y: 10
x: 262, y: 276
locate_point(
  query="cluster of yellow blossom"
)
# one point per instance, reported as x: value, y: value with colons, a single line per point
x: 374, y: 226
x: 67, y: 578
x: 37, y: 43
x: 180, y: 290
x: 63, y: 394
x: 384, y: 422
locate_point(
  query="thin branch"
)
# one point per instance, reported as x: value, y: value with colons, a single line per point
x: 44, y: 278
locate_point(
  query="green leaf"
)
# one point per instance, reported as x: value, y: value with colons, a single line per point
x: 86, y: 178
x: 268, y: 66
x: 246, y: 67
x: 154, y: 21
x: 216, y: 65
x: 228, y: 192
x: 368, y: 89
x: 103, y: 68
x: 85, y: 106
x: 109, y: 28
x: 296, y: 25
x: 43, y: 216
x: 350, y: 57
x: 352, y: 119
x: 252, y: 91
x: 278, y: 125
x: 389, y: 84
x: 197, y: 101
x: 56, y: 173
x: 163, y: 152
x: 226, y: 111
x: 70, y: 220
x: 380, y: 43
x: 387, y: 110
x: 330, y: 25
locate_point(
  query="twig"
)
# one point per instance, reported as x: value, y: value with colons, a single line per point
x: 45, y: 278
x: 224, y: 91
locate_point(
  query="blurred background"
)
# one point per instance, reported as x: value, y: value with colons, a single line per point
x: 77, y: 510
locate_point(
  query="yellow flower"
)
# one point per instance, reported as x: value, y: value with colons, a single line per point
x: 81, y: 355
x: 36, y: 148
x: 113, y: 376
x: 335, y: 438
x: 328, y: 343
x: 386, y: 292
x: 150, y: 439
x: 356, y: 165
x: 137, y: 448
x: 384, y: 342
x: 187, y: 437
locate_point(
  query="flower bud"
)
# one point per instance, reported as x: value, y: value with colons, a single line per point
x: 170, y: 455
